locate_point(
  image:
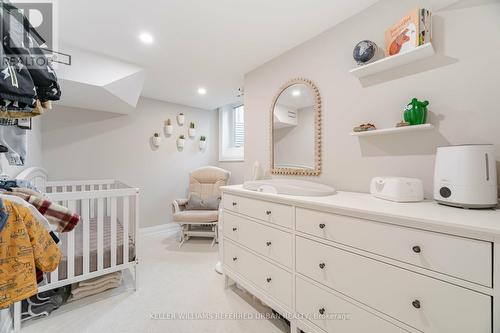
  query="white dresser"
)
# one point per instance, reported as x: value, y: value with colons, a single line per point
x: 351, y: 263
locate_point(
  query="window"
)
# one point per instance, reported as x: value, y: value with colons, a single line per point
x: 231, y: 133
x: 239, y: 127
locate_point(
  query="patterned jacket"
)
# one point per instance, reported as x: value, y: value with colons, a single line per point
x: 24, y: 245
x: 27, y: 73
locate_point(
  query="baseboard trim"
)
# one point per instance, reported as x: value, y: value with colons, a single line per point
x: 167, y: 228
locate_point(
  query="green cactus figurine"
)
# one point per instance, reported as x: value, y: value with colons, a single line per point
x: 415, y: 113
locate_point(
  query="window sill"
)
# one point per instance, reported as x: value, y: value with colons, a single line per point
x: 232, y: 160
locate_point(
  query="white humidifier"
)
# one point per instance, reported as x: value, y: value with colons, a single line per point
x: 466, y: 176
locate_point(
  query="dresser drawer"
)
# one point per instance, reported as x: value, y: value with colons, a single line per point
x: 270, y: 242
x: 425, y: 303
x: 463, y: 258
x: 334, y: 314
x: 283, y: 215
x: 273, y: 280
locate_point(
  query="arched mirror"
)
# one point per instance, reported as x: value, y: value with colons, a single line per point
x: 296, y: 129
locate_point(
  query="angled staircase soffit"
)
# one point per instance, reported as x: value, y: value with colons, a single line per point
x: 100, y: 83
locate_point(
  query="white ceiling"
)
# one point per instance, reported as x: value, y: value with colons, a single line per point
x: 198, y: 43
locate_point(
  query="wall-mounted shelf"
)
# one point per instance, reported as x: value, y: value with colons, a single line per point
x: 394, y: 61
x: 393, y: 130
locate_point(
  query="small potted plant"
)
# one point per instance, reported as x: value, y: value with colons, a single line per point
x: 203, y: 142
x: 191, y: 130
x: 181, y: 118
x: 156, y: 139
x: 168, y: 127
x: 180, y: 141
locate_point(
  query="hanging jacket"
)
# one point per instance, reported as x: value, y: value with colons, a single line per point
x: 3, y: 216
x: 20, y: 185
x: 14, y: 110
x: 16, y: 141
x: 16, y: 83
x: 24, y: 245
x: 36, y: 214
x: 23, y: 45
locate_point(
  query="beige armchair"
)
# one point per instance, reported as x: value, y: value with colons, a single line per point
x: 204, y: 184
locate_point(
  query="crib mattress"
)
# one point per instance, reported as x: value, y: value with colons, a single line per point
x: 63, y: 267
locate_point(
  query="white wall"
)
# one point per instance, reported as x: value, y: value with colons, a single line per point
x: 461, y: 83
x: 237, y: 170
x: 85, y: 144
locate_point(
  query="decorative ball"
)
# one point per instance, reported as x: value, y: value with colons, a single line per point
x: 364, y: 52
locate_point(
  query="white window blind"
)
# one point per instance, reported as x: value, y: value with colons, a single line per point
x: 239, y: 126
x: 231, y: 133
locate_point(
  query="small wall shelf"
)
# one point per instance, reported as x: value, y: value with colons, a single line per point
x: 421, y: 52
x: 393, y: 130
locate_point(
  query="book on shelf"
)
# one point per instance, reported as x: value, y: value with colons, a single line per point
x: 410, y: 32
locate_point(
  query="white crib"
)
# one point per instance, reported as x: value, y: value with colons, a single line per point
x: 104, y: 241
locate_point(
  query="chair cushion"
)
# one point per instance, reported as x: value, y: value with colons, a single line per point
x: 197, y: 216
x: 205, y: 182
x: 195, y: 202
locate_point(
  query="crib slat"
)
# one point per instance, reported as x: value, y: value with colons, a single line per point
x: 113, y: 231
x: 86, y: 235
x: 93, y: 203
x: 66, y: 189
x: 54, y: 276
x: 100, y: 233
x: 136, y: 220
x: 108, y: 201
x: 126, y: 212
x: 17, y: 317
x: 92, y: 206
x: 71, y: 245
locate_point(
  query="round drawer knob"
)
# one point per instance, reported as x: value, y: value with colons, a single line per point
x: 268, y: 212
x: 268, y: 243
x: 417, y: 249
x: 235, y: 229
x: 322, y: 311
x: 269, y: 280
x: 235, y: 203
x: 322, y: 265
x: 416, y: 304
x: 445, y: 192
x: 235, y: 258
x: 322, y: 226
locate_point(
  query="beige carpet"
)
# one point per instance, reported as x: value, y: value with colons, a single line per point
x: 171, y: 280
